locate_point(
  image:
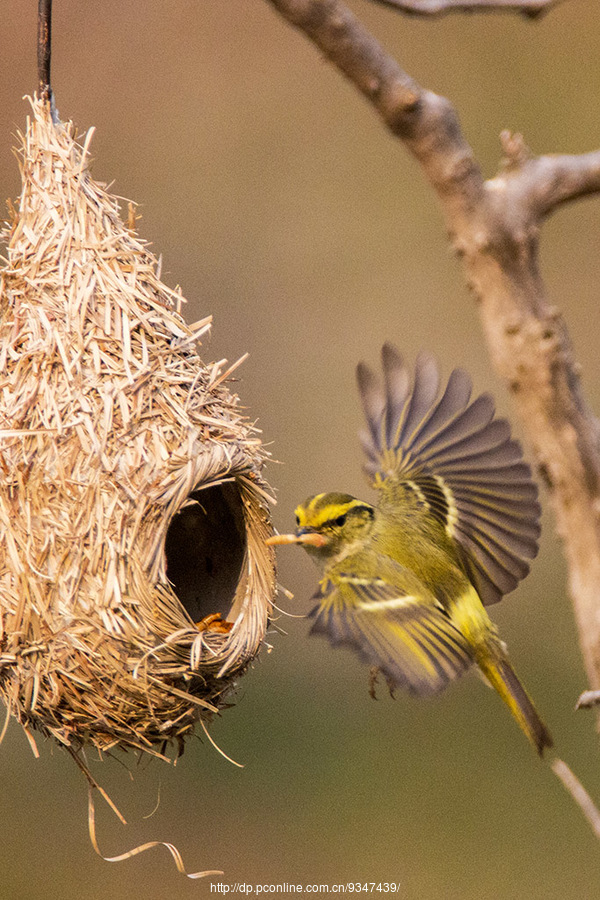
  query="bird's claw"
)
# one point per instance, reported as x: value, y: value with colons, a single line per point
x: 373, y: 679
x: 374, y: 672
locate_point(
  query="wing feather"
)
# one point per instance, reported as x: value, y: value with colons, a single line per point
x: 412, y: 641
x: 464, y: 425
x: 373, y: 401
x: 418, y: 403
x: 464, y: 461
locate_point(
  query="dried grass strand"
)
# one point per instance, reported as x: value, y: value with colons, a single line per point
x: 141, y: 848
x: 220, y: 749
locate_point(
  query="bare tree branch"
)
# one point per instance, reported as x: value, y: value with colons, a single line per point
x: 530, y: 8
x: 495, y: 226
x: 588, y: 699
x: 578, y: 793
x: 559, y: 179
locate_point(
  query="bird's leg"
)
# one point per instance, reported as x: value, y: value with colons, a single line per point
x: 214, y: 624
x: 373, y: 679
x: 374, y: 672
x: 391, y: 686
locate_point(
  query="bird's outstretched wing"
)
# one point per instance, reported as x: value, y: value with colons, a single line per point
x: 461, y: 461
x: 401, y: 631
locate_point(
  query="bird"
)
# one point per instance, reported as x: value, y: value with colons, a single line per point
x: 407, y: 582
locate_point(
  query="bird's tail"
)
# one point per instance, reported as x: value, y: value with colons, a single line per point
x: 502, y: 677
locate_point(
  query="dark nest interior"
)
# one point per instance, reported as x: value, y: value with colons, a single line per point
x: 205, y: 548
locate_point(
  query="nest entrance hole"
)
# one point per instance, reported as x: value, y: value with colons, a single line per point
x: 205, y: 549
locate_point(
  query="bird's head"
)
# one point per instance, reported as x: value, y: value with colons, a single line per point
x: 328, y: 525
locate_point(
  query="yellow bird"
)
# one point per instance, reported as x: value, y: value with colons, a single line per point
x: 406, y: 583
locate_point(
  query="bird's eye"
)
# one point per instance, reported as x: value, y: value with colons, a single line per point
x: 340, y: 520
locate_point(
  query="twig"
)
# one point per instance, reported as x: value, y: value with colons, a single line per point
x: 578, y: 793
x: 560, y: 179
x: 44, y: 47
x: 543, y: 183
x: 529, y: 8
x: 495, y: 226
x: 588, y: 699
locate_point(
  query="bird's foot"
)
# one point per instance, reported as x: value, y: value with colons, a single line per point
x: 374, y: 673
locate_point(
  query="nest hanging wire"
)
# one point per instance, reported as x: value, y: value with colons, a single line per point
x: 131, y: 499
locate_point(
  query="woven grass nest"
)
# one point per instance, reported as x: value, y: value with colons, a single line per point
x: 131, y: 499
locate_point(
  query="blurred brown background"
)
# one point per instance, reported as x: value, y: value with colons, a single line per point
x: 282, y: 207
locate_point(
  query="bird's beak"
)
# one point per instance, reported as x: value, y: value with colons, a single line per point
x: 307, y: 539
